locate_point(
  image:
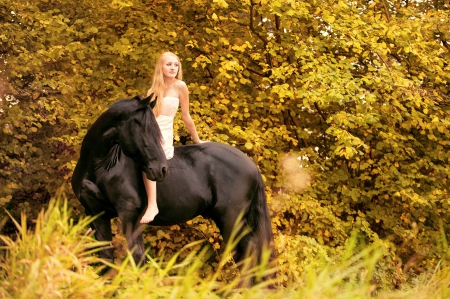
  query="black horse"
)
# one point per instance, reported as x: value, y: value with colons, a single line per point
x: 210, y: 179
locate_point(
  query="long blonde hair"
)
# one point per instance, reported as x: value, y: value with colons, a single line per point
x: 158, y: 86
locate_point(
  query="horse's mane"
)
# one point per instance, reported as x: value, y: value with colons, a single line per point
x: 108, y: 161
x: 151, y: 125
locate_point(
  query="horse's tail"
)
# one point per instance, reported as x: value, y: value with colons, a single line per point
x: 258, y: 218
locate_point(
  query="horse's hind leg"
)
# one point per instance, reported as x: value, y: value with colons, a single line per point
x: 254, y: 229
x: 232, y: 231
x: 91, y: 199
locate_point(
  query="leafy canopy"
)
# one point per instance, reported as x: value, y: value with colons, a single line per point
x: 358, y: 91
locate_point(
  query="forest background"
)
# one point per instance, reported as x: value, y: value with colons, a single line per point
x: 343, y: 105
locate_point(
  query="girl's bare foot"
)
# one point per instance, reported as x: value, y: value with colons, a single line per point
x: 150, y: 213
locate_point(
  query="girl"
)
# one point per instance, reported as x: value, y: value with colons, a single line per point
x: 170, y: 91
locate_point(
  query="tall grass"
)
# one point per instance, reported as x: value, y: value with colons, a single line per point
x: 55, y: 258
x: 51, y: 261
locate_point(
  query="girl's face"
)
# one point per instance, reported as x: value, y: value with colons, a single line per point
x: 170, y: 67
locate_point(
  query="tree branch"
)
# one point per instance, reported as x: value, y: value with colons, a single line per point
x: 252, y: 29
x: 320, y: 112
x: 297, y: 125
x: 386, y: 10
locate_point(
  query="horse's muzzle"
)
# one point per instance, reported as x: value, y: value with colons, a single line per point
x: 164, y: 171
x: 156, y: 175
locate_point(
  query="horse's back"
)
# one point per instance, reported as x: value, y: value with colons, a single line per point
x: 219, y: 153
x: 216, y: 162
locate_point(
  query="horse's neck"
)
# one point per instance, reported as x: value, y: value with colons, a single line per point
x: 94, y: 138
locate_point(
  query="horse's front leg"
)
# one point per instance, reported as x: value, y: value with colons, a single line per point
x: 132, y: 230
x: 94, y: 204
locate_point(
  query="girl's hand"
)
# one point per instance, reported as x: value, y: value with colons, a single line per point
x: 202, y: 141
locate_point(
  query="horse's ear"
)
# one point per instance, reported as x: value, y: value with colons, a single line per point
x: 153, y: 103
x: 145, y: 101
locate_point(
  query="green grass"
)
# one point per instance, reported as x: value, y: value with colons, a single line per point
x: 54, y: 260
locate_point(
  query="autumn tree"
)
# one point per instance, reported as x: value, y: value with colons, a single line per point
x: 356, y: 91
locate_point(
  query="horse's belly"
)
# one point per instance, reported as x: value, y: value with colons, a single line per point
x: 182, y: 197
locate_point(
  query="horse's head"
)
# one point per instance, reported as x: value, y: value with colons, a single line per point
x: 139, y: 137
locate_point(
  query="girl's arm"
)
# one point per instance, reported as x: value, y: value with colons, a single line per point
x: 185, y: 115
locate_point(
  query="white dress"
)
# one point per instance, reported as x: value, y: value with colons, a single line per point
x: 165, y: 121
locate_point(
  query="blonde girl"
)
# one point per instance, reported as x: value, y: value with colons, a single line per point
x: 170, y: 92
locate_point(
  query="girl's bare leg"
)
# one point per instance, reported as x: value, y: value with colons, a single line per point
x: 152, y: 207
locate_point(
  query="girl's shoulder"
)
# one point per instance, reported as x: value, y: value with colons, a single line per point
x: 181, y: 86
x: 180, y: 83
